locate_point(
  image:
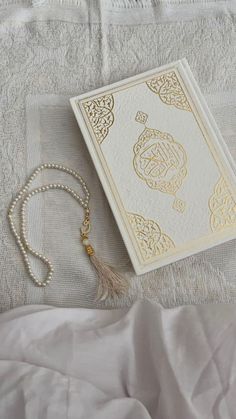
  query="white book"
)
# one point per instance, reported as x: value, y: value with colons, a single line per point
x: 163, y: 164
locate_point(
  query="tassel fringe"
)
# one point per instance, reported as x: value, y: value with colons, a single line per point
x: 111, y: 284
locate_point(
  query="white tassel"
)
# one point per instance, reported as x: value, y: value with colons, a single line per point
x: 111, y: 284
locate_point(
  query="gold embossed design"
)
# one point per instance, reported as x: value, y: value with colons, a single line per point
x: 222, y: 206
x: 151, y: 240
x: 160, y: 161
x: 169, y: 90
x: 179, y: 205
x: 100, y: 115
x: 141, y: 117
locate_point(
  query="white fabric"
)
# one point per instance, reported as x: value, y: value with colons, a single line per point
x: 67, y: 47
x: 142, y: 363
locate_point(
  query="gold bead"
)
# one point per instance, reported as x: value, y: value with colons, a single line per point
x: 89, y: 250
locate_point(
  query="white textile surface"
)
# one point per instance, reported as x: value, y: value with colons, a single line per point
x: 139, y: 363
x: 55, y: 49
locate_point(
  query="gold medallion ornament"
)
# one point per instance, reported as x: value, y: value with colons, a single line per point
x: 222, y: 206
x: 151, y: 240
x: 170, y: 91
x: 100, y: 115
x: 160, y: 161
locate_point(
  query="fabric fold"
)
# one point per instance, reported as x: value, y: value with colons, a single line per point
x: 145, y: 362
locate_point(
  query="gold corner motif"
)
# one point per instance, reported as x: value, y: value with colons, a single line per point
x: 100, y: 115
x: 170, y: 91
x: 222, y: 207
x: 161, y: 162
x: 151, y: 240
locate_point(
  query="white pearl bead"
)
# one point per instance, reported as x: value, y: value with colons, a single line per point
x: 85, y: 242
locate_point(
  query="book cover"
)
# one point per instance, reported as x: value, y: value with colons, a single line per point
x: 163, y: 164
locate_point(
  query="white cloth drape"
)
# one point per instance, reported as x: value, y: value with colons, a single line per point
x: 145, y: 362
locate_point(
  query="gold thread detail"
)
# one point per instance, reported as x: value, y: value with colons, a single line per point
x: 160, y: 161
x: 151, y: 240
x: 222, y: 206
x: 100, y: 115
x: 169, y: 89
